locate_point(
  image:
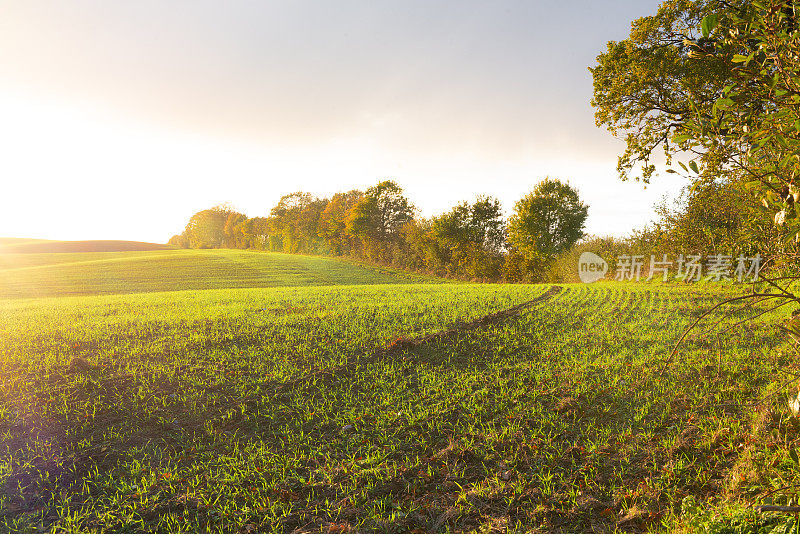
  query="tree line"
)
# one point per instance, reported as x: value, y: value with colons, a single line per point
x: 712, y: 86
x: 471, y: 241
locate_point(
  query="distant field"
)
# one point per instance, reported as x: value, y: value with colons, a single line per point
x: 96, y: 273
x: 33, y: 246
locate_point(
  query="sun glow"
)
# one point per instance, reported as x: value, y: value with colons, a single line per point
x: 74, y: 172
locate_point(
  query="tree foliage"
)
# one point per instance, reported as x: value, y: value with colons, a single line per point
x: 213, y: 228
x: 467, y: 242
x: 378, y: 217
x: 710, y: 83
x: 755, y: 118
x: 480, y: 224
x: 468, y: 239
x: 547, y: 221
x: 381, y: 213
x: 710, y: 215
x: 647, y: 86
x: 334, y: 219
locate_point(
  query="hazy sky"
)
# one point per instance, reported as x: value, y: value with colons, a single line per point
x: 118, y: 120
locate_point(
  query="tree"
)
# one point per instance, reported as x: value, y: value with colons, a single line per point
x: 469, y: 238
x: 647, y: 86
x: 755, y: 118
x: 648, y: 89
x: 309, y: 225
x: 379, y: 215
x: 480, y: 224
x: 333, y: 221
x: 547, y: 221
x: 295, y: 218
x: 256, y: 230
x: 206, y: 229
x: 711, y: 215
x: 424, y: 250
x: 179, y: 241
x: 234, y: 231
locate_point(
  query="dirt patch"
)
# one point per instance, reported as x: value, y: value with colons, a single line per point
x: 567, y: 405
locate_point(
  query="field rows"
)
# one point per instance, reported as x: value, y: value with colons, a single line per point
x: 102, y: 273
x: 201, y: 411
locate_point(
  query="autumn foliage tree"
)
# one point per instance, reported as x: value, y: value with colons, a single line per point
x: 647, y: 86
x: 467, y: 242
x: 378, y: 217
x: 334, y: 220
x: 650, y: 89
x: 755, y: 118
x: 213, y: 228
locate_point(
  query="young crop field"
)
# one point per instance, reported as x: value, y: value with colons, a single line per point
x: 334, y: 398
x: 92, y: 273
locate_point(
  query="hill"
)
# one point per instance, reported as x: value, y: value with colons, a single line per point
x: 236, y: 391
x: 95, y: 273
x: 37, y: 246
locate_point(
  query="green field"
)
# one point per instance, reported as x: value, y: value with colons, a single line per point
x: 93, y: 273
x: 239, y: 391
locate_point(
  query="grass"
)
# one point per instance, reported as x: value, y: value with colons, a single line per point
x: 46, y: 274
x: 312, y: 408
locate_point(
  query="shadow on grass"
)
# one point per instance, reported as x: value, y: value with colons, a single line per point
x: 502, y: 425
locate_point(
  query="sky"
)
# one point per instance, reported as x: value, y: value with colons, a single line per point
x: 119, y: 120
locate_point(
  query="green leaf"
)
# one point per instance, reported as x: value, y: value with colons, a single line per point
x: 693, y: 166
x: 793, y: 456
x: 708, y: 24
x: 738, y: 58
x: 724, y: 103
